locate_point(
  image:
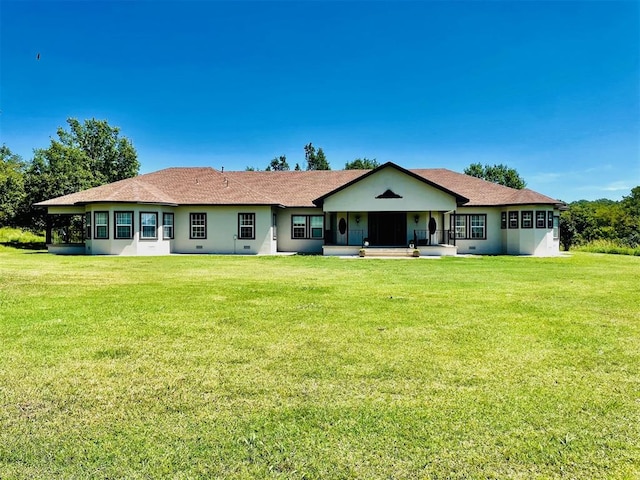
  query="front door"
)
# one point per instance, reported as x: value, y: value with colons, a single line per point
x: 387, y: 229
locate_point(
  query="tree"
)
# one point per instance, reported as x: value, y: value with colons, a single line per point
x: 362, y: 164
x: 315, y: 160
x: 278, y: 164
x: 88, y: 155
x: 12, y: 194
x: 297, y: 167
x: 500, y: 174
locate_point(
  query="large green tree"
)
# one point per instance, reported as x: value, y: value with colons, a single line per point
x: 12, y: 194
x: 316, y: 160
x: 362, y: 164
x: 278, y: 164
x: 86, y: 155
x: 500, y: 174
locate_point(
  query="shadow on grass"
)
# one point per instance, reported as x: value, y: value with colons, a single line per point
x: 26, y: 246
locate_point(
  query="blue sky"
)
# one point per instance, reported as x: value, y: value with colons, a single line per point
x: 549, y: 88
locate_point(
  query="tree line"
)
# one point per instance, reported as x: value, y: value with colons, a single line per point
x: 586, y: 221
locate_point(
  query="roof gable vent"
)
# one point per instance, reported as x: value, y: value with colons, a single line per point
x: 389, y: 194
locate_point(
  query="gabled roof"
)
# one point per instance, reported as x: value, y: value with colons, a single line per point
x: 459, y: 198
x: 206, y: 186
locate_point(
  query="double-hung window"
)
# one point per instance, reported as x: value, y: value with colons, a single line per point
x: 198, y: 225
x: 526, y: 219
x: 461, y: 226
x: 167, y: 226
x: 477, y: 223
x: 513, y: 219
x: 148, y: 225
x: 101, y: 225
x: 247, y: 226
x: 550, y: 220
x: 470, y: 226
x: 503, y: 220
x: 124, y: 224
x: 541, y: 219
x: 307, y: 226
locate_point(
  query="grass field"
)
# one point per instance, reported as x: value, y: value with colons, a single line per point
x: 312, y: 367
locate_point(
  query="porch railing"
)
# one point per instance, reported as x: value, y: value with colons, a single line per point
x: 422, y: 237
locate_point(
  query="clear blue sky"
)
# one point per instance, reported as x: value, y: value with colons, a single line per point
x: 549, y: 88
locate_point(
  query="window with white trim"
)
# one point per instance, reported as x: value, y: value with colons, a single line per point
x: 478, y: 223
x: 471, y: 226
x: 123, y: 225
x: 307, y: 226
x: 101, y: 225
x: 541, y: 219
x: 148, y: 225
x: 197, y: 225
x: 526, y: 219
x: 460, y: 226
x: 167, y: 226
x: 247, y: 226
x: 513, y: 219
x: 556, y: 226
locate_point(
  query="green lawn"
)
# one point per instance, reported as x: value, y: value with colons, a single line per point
x: 312, y: 367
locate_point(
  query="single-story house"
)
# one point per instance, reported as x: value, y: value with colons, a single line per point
x: 334, y: 212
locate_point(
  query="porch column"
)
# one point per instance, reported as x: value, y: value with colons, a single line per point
x: 48, y: 229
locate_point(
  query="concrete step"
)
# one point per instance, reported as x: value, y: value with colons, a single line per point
x: 388, y: 252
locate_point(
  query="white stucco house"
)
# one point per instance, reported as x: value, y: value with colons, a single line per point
x: 336, y: 212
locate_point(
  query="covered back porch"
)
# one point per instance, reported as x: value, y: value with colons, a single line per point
x: 389, y: 233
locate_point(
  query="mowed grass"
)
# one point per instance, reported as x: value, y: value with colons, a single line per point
x: 312, y: 367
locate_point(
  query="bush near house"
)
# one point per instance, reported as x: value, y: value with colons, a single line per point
x: 314, y: 367
x: 21, y: 238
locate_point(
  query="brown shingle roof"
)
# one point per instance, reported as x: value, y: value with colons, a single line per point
x: 206, y: 186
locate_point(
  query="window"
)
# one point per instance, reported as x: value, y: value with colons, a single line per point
x: 550, y: 220
x: 148, y: 225
x: 472, y: 226
x: 317, y: 226
x: 87, y: 225
x: 478, y: 226
x: 124, y: 224
x: 307, y: 226
x: 503, y: 220
x: 246, y: 225
x: 556, y: 226
x: 198, y: 225
x: 461, y: 226
x: 541, y: 219
x: 299, y: 226
x: 101, y: 222
x: 513, y: 219
x: 167, y: 226
x: 274, y: 226
x: 527, y: 219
